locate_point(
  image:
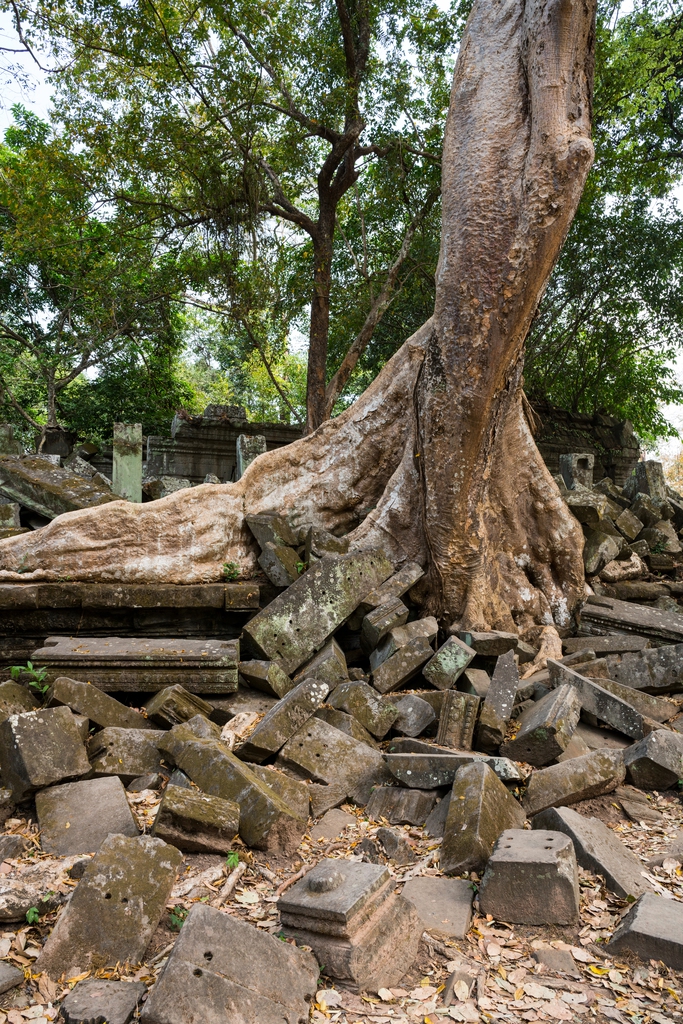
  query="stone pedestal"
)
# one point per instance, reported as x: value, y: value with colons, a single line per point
x: 247, y: 448
x: 356, y: 926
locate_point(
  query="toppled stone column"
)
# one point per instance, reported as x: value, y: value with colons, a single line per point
x: 497, y: 707
x: 127, y: 469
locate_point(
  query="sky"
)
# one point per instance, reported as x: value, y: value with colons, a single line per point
x: 36, y: 92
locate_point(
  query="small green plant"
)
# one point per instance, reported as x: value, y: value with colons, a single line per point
x: 36, y: 676
x: 33, y: 915
x: 301, y: 567
x: 233, y: 859
x: 176, y: 917
x: 231, y: 570
x: 659, y: 548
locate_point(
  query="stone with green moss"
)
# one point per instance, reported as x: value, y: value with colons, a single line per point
x: 196, y: 822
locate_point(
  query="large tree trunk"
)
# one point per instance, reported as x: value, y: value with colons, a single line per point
x: 436, y: 461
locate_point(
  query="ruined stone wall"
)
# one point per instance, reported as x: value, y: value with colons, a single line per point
x: 611, y: 441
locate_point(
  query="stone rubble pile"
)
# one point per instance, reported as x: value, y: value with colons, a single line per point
x: 336, y: 694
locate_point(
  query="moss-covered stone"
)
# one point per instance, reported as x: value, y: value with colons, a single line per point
x: 196, y: 822
x: 480, y: 809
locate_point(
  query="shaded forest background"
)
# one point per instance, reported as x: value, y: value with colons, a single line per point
x: 241, y: 206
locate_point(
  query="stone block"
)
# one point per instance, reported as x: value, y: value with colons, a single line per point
x: 266, y: 676
x: 332, y: 825
x: 628, y: 524
x: 531, y: 878
x: 444, y: 905
x: 127, y: 753
x: 284, y: 719
x: 378, y: 622
x: 321, y: 542
x: 222, y: 969
x: 598, y: 701
x: 78, y: 817
x: 328, y: 666
x: 396, y: 586
x: 39, y: 748
x: 295, y: 793
x: 428, y: 629
x: 196, y: 822
x: 402, y: 666
x: 300, y: 621
x: 271, y: 528
x: 95, y: 1001
x: 151, y: 781
x: 647, y: 478
x: 430, y: 771
x: 49, y: 489
x: 115, y: 909
x: 361, y: 701
x: 280, y: 564
x: 576, y: 747
x: 496, y: 709
x: 139, y: 664
x: 546, y: 728
x: 557, y: 961
x: 491, y: 644
x: 10, y: 977
x: 653, y: 930
x: 346, y: 723
x: 266, y: 821
x: 203, y: 728
x: 414, y: 715
x: 324, y: 754
x: 12, y: 846
x: 589, y: 507
x: 15, y: 699
x: 475, y: 681
x: 577, y: 469
x: 436, y: 822
x: 448, y: 664
x: 94, y: 704
x: 600, y: 549
x: 659, y: 670
x: 395, y: 846
x: 480, y: 809
x: 598, y: 849
x: 365, y: 935
x: 127, y: 465
x: 245, y: 701
x: 457, y: 720
x: 401, y: 806
x: 637, y: 805
x: 561, y: 785
x: 656, y: 762
x: 173, y: 705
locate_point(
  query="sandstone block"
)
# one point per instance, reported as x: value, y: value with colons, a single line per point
x: 378, y: 622
x: 448, y: 664
x: 328, y: 666
x: 564, y: 784
x: 444, y: 905
x: 599, y: 701
x: 324, y: 754
x: 127, y: 753
x: 400, y: 668
x: 174, y: 704
x: 491, y: 644
x: 361, y: 701
x: 96, y: 705
x: 396, y: 586
x: 653, y: 929
x: 222, y: 969
x: 92, y: 1001
x: 414, y: 715
x: 546, y: 728
x: 300, y: 621
x: 115, y: 908
x: 195, y: 821
x: 480, y: 809
x: 284, y: 719
x: 597, y: 849
x: 39, y: 748
x: 78, y: 817
x: 396, y: 638
x: 531, y: 878
x: 496, y: 709
x: 346, y: 723
x: 266, y: 676
x: 266, y: 821
x: 656, y: 762
x: 457, y: 720
x: 429, y: 771
x: 15, y: 699
x: 401, y: 806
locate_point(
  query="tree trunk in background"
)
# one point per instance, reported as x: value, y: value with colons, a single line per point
x: 436, y: 461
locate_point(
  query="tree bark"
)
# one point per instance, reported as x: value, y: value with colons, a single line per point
x: 436, y: 462
x: 323, y: 243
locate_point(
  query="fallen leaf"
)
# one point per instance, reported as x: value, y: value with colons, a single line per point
x: 461, y: 990
x: 385, y: 995
x: 493, y: 949
x: 247, y: 898
x: 538, y: 991
x: 582, y: 955
x: 616, y: 977
x: 558, y: 1010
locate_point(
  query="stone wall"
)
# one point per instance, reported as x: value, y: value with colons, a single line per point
x: 611, y: 441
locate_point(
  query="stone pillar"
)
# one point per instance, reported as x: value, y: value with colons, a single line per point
x: 8, y: 443
x: 127, y: 469
x: 577, y: 468
x: 248, y: 447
